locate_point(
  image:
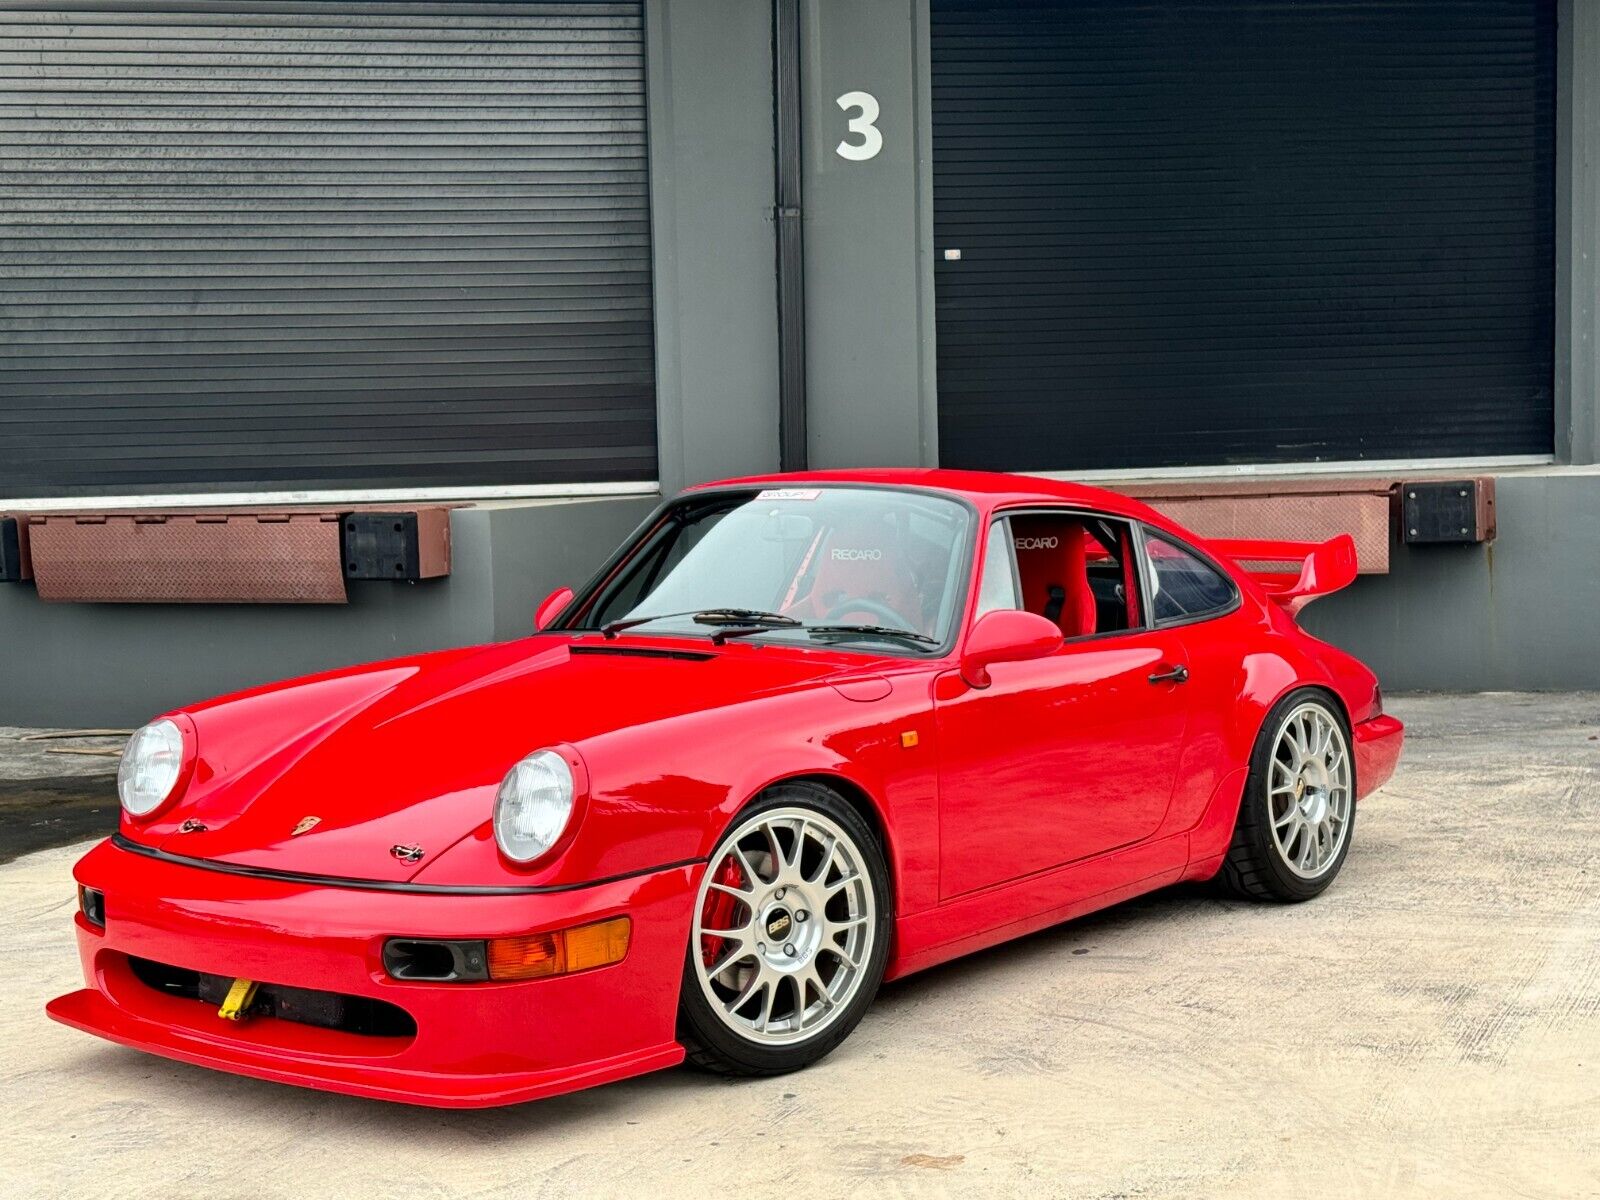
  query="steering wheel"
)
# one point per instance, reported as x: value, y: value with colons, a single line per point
x: 861, y: 604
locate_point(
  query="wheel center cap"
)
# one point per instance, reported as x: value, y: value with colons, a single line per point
x: 788, y: 931
x: 779, y: 924
x: 1314, y: 806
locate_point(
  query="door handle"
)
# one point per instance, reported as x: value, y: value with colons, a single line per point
x: 1178, y: 674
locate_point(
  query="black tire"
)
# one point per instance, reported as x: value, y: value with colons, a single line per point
x: 711, y: 1044
x: 1254, y: 867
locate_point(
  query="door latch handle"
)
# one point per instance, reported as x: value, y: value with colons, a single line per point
x: 1178, y: 674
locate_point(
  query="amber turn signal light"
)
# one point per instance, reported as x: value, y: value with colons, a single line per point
x: 540, y: 955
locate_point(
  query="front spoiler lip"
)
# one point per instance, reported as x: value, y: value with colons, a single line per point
x: 385, y: 885
x: 477, y: 1045
x: 90, y: 1011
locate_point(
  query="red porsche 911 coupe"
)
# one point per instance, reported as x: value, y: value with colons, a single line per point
x: 800, y: 735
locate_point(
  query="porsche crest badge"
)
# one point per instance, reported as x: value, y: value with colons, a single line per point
x: 306, y: 825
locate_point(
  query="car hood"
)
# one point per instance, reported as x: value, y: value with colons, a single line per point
x: 410, y: 753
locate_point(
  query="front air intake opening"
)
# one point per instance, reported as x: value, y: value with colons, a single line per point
x: 435, y: 960
x: 305, y: 1006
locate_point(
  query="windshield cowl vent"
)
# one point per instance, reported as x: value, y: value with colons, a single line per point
x: 643, y: 652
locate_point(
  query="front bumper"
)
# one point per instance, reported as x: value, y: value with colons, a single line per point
x: 476, y: 1044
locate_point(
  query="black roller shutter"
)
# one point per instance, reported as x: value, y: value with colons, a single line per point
x: 1277, y: 231
x: 254, y: 245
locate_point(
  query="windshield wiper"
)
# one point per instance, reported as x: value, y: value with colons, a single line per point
x: 880, y: 631
x: 737, y: 622
x: 709, y: 616
x: 742, y: 616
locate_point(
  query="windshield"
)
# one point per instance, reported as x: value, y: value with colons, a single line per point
x: 794, y: 564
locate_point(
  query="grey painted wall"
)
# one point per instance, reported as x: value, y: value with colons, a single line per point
x: 81, y: 665
x: 1523, y: 612
x: 868, y: 230
x: 534, y: 549
x: 1519, y: 614
x: 709, y: 67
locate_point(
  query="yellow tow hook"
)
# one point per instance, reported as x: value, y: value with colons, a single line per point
x: 236, y: 1005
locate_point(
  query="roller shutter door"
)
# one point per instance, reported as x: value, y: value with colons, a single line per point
x: 252, y: 245
x: 1205, y: 233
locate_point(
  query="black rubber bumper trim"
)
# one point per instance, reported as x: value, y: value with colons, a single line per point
x: 383, y: 885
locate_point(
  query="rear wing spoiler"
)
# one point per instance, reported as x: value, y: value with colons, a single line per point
x: 1293, y: 574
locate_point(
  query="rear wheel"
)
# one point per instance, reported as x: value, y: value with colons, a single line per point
x: 790, y: 935
x: 1298, y: 809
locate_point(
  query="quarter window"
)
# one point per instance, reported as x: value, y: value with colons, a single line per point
x: 998, y: 587
x: 1183, y: 586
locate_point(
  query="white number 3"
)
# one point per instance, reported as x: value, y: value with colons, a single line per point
x: 862, y: 126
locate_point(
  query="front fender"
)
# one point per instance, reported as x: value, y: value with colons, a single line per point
x: 663, y: 793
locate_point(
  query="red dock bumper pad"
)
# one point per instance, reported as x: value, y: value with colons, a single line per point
x: 474, y: 1045
x: 1377, y: 748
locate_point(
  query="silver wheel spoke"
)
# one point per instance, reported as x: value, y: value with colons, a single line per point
x: 828, y: 848
x: 838, y: 885
x: 743, y: 997
x: 821, y: 988
x: 841, y: 955
x: 725, y: 962
x: 774, y: 850
x: 746, y: 866
x: 769, y: 997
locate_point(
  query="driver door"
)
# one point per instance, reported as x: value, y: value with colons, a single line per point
x: 1066, y: 757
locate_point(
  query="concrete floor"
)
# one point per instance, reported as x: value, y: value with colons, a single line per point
x: 56, y: 789
x: 1430, y: 1026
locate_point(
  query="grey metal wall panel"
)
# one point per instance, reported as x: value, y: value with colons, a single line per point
x: 1216, y: 231
x: 251, y: 244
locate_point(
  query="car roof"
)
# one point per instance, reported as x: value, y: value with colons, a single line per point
x: 987, y: 490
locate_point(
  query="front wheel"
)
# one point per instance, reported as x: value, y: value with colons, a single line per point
x: 790, y: 935
x: 1298, y: 809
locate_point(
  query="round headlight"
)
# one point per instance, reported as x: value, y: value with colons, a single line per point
x: 533, y: 806
x: 151, y: 764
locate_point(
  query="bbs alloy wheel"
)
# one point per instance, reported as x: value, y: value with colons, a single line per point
x: 1298, y: 808
x: 1308, y: 792
x: 789, y: 937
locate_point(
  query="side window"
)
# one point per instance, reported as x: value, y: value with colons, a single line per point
x: 998, y: 587
x: 1183, y: 586
x: 1077, y: 569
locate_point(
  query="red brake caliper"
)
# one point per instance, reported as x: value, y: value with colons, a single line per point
x: 719, y: 909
